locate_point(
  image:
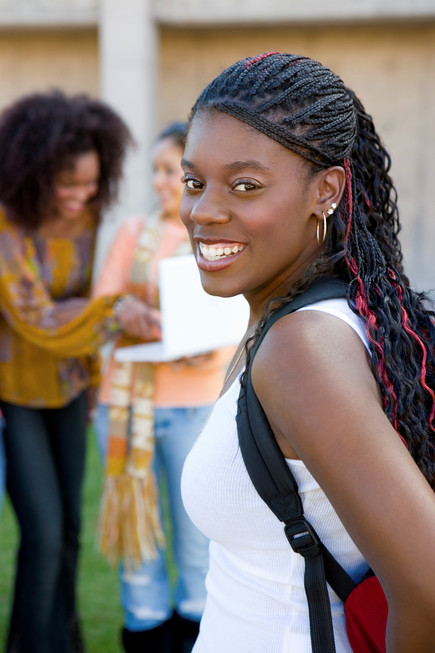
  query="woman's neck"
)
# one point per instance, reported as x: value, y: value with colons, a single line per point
x: 58, y: 227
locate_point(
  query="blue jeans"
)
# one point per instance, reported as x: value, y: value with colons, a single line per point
x: 146, y: 593
x: 2, y: 465
x: 45, y: 450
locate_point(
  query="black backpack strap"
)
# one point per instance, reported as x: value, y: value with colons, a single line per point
x: 276, y: 485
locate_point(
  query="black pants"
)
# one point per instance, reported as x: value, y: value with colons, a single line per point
x: 45, y: 452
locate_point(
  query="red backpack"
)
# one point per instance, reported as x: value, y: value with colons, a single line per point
x: 365, y: 605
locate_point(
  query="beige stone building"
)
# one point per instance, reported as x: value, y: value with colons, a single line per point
x: 150, y: 59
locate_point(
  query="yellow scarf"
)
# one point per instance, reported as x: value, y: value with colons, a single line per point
x: 129, y: 525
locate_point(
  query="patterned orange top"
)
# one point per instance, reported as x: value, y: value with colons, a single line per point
x: 49, y: 332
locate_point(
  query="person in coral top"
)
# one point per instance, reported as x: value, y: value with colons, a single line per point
x: 160, y: 409
x: 60, y: 166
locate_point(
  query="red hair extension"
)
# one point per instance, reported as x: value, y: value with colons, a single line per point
x: 348, y: 208
x: 367, y: 201
x: 361, y: 302
x: 348, y: 196
x: 361, y: 305
x: 259, y: 57
x: 412, y: 333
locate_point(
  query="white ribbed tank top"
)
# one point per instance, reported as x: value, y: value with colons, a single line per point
x: 256, y: 599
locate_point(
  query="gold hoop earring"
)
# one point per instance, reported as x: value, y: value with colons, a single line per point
x: 330, y: 211
x: 320, y: 241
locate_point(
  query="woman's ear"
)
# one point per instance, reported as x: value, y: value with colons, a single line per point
x: 330, y: 189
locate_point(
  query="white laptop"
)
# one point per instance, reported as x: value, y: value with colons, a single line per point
x: 193, y: 322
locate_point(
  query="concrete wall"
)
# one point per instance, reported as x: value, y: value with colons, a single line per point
x: 249, y: 12
x: 43, y: 59
x: 55, y: 13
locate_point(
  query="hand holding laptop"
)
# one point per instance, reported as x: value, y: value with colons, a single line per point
x: 193, y: 322
x: 139, y: 320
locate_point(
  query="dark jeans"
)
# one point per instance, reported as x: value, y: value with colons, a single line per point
x: 45, y: 450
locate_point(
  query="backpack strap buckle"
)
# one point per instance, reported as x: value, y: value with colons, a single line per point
x: 303, y: 538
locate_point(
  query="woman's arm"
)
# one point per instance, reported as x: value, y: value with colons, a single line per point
x: 138, y: 319
x: 71, y: 328
x: 66, y: 330
x: 313, y: 379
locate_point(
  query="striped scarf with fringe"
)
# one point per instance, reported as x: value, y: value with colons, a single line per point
x: 129, y: 524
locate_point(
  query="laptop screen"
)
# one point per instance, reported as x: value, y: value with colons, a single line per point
x: 193, y: 322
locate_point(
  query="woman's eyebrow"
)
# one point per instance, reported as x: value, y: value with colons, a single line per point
x: 186, y: 163
x: 233, y: 166
x: 242, y: 165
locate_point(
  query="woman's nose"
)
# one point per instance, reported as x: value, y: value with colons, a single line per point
x: 82, y: 193
x: 207, y: 208
x: 158, y: 180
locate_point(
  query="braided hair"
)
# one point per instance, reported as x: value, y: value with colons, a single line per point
x: 307, y: 108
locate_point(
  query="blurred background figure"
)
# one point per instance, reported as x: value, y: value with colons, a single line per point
x: 60, y: 167
x: 181, y: 394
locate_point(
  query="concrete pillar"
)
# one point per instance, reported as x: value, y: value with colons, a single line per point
x: 128, y: 60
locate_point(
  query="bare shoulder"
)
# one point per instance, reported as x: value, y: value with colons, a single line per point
x: 312, y: 375
x: 312, y: 353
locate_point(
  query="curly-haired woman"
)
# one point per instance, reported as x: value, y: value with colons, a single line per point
x: 60, y: 167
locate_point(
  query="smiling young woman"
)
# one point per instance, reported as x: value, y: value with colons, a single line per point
x: 252, y: 196
x: 286, y: 181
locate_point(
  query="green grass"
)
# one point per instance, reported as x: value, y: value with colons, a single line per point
x: 98, y: 583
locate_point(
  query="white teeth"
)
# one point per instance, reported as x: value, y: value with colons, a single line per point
x: 215, y: 253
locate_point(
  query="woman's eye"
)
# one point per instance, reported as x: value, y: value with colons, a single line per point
x: 191, y: 184
x: 245, y: 186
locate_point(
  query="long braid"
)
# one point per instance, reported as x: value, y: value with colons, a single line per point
x: 306, y: 107
x: 400, y: 329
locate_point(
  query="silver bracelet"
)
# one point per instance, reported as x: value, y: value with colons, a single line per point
x: 121, y: 302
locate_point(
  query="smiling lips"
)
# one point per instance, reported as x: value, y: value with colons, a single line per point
x: 217, y: 252
x: 74, y: 207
